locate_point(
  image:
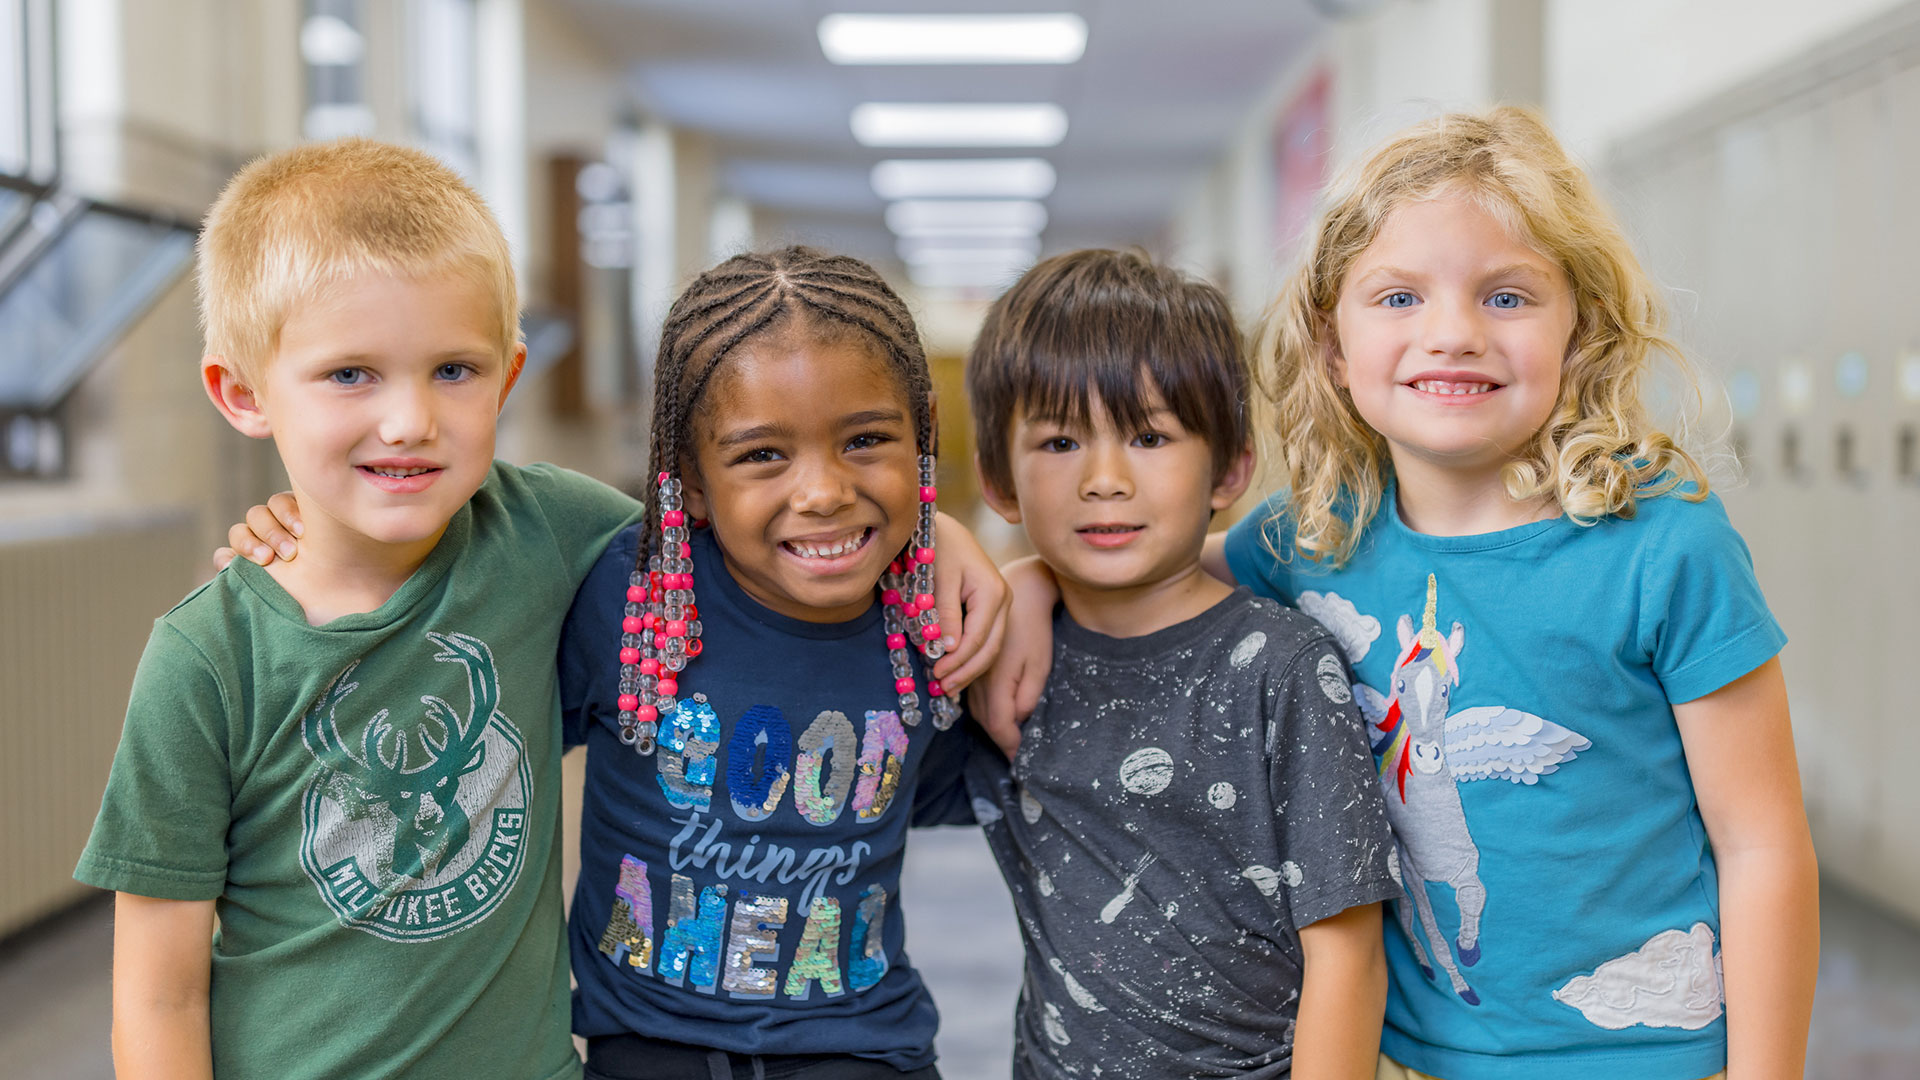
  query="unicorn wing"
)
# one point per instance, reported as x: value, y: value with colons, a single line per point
x: 1373, y: 704
x: 1495, y: 742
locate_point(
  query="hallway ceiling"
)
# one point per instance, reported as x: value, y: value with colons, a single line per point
x: 1158, y: 96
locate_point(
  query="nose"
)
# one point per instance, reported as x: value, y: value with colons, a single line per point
x: 408, y: 417
x: 822, y: 488
x: 1453, y: 327
x: 1105, y: 473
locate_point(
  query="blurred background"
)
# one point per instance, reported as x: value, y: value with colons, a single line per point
x: 1762, y: 152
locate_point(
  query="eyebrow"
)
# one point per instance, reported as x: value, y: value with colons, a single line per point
x: 760, y: 432
x: 1511, y: 270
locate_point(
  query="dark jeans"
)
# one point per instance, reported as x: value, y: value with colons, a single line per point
x: 634, y: 1057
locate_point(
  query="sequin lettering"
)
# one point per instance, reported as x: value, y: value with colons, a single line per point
x: 831, y: 731
x: 755, y: 935
x: 629, y: 931
x: 761, y: 733
x: 883, y: 752
x: 867, y: 949
x: 816, y: 960
x: 690, y: 947
x: 686, y: 755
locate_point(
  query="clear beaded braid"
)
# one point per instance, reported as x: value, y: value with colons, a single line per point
x: 660, y: 626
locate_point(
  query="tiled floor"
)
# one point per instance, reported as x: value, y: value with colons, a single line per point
x: 54, y: 989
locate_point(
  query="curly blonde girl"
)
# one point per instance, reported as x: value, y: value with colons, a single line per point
x: 1597, y: 453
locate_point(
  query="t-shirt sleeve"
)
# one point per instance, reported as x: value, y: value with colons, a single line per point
x: 1333, y: 824
x: 162, y: 827
x: 1250, y: 547
x: 941, y: 796
x: 1703, y: 620
x: 590, y: 639
x: 583, y: 513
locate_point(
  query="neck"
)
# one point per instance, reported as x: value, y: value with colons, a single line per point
x: 1443, y: 501
x: 339, y: 572
x: 1139, y: 610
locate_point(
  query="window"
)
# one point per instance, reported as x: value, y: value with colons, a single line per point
x: 26, y: 90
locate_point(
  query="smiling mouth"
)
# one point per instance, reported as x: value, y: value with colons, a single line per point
x: 396, y: 474
x: 1453, y: 387
x: 813, y: 549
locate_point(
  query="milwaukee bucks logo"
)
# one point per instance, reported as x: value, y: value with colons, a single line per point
x: 418, y: 835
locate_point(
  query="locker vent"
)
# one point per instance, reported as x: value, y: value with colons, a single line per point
x: 77, y: 600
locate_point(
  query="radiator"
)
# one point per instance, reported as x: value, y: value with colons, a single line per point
x: 77, y: 599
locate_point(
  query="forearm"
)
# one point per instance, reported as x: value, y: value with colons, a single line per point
x: 162, y: 976
x: 1343, y: 997
x: 1770, y: 952
x: 161, y: 1039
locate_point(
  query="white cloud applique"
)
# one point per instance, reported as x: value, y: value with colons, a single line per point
x: 1671, y: 981
x: 1355, y: 632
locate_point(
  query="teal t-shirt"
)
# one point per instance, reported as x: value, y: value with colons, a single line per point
x: 374, y: 804
x: 1562, y: 912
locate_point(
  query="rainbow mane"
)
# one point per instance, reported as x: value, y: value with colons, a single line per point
x: 1393, y: 745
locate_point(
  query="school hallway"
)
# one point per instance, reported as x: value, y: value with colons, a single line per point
x: 54, y: 989
x: 1759, y: 155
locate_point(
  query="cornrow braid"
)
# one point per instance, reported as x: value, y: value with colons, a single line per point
x: 741, y: 300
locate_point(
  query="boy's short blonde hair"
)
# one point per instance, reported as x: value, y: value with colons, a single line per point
x: 292, y: 224
x: 1599, y: 450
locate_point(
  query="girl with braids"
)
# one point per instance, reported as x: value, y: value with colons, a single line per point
x: 750, y: 668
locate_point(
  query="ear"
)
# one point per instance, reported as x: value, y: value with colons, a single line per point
x: 1234, y: 483
x: 235, y: 400
x: 514, y: 364
x: 1337, y: 366
x: 1003, y: 503
x: 693, y: 495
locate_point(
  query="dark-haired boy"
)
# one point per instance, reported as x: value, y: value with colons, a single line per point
x: 1190, y: 827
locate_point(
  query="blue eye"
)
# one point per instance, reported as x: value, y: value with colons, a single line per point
x: 453, y: 372
x: 1506, y: 301
x: 347, y: 376
x: 1401, y: 299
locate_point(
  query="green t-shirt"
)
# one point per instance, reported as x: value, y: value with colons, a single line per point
x: 373, y: 803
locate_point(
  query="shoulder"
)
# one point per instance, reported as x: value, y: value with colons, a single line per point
x: 1679, y: 525
x: 217, y: 617
x: 552, y: 488
x: 1255, y: 628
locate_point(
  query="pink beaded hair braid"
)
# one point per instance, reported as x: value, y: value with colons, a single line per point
x: 726, y: 307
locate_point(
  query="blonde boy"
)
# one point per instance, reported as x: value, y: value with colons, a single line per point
x: 349, y: 762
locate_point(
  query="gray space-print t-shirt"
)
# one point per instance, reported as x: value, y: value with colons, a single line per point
x: 1181, y: 803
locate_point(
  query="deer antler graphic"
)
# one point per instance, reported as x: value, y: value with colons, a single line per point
x: 430, y: 824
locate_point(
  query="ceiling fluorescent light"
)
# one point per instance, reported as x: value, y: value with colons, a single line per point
x: 961, y: 246
x: 1017, y: 258
x: 950, y: 276
x: 910, y: 216
x: 885, y: 124
x: 966, y: 178
x: 999, y: 235
x: 953, y: 39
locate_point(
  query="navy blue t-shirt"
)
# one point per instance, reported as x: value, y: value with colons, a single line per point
x: 740, y: 888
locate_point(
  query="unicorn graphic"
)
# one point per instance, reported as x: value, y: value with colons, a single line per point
x: 1425, y: 753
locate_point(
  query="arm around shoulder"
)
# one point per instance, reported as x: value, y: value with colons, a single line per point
x: 162, y: 974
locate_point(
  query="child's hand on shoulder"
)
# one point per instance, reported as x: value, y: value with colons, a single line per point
x: 1012, y: 688
x: 273, y: 528
x: 970, y: 595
